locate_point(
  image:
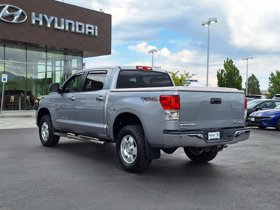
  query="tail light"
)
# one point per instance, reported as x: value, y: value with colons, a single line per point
x: 171, y: 105
x: 245, y: 107
x: 170, y: 102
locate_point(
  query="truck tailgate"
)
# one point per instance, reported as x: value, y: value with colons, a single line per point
x: 211, y: 109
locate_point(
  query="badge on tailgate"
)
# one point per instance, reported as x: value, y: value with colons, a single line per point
x: 213, y: 135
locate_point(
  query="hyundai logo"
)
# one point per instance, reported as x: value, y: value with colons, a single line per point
x: 12, y: 14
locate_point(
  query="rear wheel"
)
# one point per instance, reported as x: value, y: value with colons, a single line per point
x: 46, y: 132
x: 131, y: 149
x: 278, y: 125
x: 201, y: 155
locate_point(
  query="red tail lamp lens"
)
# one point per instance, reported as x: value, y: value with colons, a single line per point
x: 245, y: 103
x: 170, y: 102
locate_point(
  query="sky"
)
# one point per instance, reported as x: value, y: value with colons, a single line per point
x: 245, y: 28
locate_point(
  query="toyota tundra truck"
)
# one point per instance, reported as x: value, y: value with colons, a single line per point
x: 143, y: 113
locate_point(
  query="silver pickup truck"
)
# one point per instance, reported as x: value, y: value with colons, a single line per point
x: 141, y: 110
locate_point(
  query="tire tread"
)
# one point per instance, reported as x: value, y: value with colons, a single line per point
x: 142, y: 162
x: 53, y: 139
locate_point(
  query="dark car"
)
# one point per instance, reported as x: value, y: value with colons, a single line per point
x: 261, y: 104
x: 276, y: 96
x: 253, y: 97
x: 266, y: 118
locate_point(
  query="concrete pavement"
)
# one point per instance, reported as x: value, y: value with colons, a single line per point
x: 17, y: 119
x: 83, y: 176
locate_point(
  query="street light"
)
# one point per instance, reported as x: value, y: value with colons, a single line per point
x: 246, y: 84
x: 208, y: 23
x: 153, y: 51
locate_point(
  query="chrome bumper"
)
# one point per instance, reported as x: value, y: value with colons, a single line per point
x: 199, y: 138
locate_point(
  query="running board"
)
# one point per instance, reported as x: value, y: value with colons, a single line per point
x: 80, y: 138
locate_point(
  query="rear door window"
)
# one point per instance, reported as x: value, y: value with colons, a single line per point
x: 94, y: 81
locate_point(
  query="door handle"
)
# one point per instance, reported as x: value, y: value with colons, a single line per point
x: 216, y: 100
x: 72, y: 98
x: 99, y: 98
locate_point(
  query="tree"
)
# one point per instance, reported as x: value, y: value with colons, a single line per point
x: 274, y: 84
x: 229, y: 76
x: 253, y: 85
x: 180, y: 79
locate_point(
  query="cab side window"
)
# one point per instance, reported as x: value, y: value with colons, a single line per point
x: 94, y: 81
x: 73, y: 85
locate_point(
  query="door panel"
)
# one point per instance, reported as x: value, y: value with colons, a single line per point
x: 64, y: 103
x: 90, y: 105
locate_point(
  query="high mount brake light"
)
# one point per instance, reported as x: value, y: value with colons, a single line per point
x: 170, y: 102
x: 144, y: 68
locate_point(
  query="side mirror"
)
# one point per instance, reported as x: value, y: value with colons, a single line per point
x: 54, y: 88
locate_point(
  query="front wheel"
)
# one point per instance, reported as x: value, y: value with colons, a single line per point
x: 131, y: 149
x: 201, y: 155
x: 46, y: 132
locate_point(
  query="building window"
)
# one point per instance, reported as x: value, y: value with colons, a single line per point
x: 30, y: 73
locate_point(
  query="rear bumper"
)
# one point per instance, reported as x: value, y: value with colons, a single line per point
x: 200, y: 138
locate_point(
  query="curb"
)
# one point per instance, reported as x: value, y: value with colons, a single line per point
x: 16, y: 116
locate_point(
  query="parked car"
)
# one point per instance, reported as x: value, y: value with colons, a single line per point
x: 253, y: 97
x: 266, y: 118
x: 261, y: 104
x: 276, y: 96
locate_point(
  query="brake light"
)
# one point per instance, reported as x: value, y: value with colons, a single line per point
x: 245, y: 108
x: 170, y: 102
x: 144, y: 68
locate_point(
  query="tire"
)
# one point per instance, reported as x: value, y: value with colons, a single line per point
x: 278, y: 125
x: 131, y: 149
x: 46, y: 132
x: 262, y: 127
x: 199, y: 155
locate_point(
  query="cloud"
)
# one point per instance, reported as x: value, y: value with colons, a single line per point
x: 253, y: 25
x: 142, y: 47
x: 164, y: 55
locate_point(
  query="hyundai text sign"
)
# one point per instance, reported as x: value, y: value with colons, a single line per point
x: 63, y: 24
x: 13, y: 14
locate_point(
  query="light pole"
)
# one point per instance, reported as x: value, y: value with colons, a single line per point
x: 208, y: 23
x: 153, y: 51
x: 246, y: 83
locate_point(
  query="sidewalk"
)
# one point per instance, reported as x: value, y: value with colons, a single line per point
x: 17, y: 119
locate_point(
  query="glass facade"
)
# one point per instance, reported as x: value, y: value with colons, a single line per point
x: 31, y: 71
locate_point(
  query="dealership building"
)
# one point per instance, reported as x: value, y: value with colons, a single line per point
x: 43, y: 42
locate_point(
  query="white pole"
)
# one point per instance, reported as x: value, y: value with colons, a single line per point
x: 2, y: 98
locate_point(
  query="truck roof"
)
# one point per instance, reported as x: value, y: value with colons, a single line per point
x: 139, y: 67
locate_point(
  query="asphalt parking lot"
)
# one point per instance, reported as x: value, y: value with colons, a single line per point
x: 77, y: 175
